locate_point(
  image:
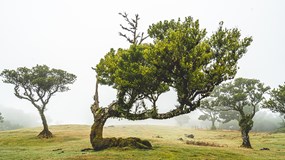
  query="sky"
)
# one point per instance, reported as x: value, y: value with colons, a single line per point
x: 74, y: 35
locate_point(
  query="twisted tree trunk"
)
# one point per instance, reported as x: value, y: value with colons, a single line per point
x: 245, y: 124
x: 99, y: 143
x: 102, y: 114
x: 96, y: 135
x: 45, y: 133
x: 245, y: 139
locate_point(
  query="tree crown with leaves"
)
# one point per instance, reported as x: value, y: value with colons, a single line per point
x: 38, y: 84
x: 239, y: 98
x: 276, y: 101
x: 180, y: 57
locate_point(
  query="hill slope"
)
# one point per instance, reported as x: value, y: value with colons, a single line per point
x: 70, y: 139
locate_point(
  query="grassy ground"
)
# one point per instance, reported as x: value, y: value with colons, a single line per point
x: 23, y: 144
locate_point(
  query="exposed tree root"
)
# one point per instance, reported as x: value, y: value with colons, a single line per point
x: 133, y: 142
x: 45, y: 134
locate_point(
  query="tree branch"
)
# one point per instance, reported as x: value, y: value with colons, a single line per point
x: 133, y: 23
x: 113, y: 112
x: 95, y: 106
x: 128, y: 38
x: 49, y: 96
x: 17, y: 94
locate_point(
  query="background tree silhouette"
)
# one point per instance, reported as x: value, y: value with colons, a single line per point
x: 210, y: 112
x: 276, y: 102
x: 1, y: 118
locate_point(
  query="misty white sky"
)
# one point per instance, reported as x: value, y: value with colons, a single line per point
x: 74, y: 35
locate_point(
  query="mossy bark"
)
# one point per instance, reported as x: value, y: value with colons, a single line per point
x: 245, y: 139
x: 245, y: 124
x: 132, y: 142
x: 100, y: 118
x: 100, y: 143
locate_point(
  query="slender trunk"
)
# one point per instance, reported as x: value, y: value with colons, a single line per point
x: 45, y: 133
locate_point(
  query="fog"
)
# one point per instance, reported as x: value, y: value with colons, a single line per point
x: 17, y: 118
x: 264, y: 120
x: 74, y: 35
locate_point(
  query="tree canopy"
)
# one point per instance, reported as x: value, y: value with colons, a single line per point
x: 277, y: 100
x: 180, y: 57
x: 38, y: 85
x: 243, y: 96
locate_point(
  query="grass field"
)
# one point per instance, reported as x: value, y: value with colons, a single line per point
x: 23, y: 144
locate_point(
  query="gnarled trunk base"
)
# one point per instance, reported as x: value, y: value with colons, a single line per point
x: 45, y: 134
x: 245, y: 139
x: 132, y: 142
x: 96, y: 135
x: 100, y: 143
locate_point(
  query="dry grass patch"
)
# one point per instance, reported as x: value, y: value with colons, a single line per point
x: 201, y: 143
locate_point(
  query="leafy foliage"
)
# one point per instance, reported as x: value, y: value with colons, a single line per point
x: 180, y: 57
x: 277, y: 100
x: 38, y: 84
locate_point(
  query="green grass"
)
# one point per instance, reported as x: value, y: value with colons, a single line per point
x: 70, y: 139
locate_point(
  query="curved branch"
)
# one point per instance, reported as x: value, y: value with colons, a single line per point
x: 113, y: 112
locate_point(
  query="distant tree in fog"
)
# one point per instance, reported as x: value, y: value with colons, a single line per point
x: 240, y: 100
x: 1, y: 118
x: 38, y: 85
x: 276, y: 102
x: 282, y: 117
x: 182, y: 120
x: 210, y: 111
